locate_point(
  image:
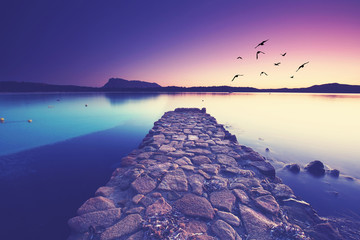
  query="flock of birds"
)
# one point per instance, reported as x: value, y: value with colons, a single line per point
x: 276, y: 64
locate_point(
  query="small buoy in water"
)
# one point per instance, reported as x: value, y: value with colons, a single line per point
x: 29, y: 121
x: 85, y: 105
x: 2, y: 120
x: 267, y: 149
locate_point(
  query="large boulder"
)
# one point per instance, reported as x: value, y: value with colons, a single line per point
x: 315, y: 168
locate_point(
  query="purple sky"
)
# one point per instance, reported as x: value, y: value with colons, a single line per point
x: 180, y: 42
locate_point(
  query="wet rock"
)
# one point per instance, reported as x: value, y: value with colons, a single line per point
x: 229, y: 218
x: 226, y: 160
x: 293, y: 167
x: 175, y: 181
x: 224, y: 231
x: 251, y: 155
x: 258, y: 191
x: 145, y: 155
x: 183, y: 161
x: 257, y: 225
x: 137, y: 198
x: 199, y: 151
x: 244, y: 183
x: 144, y: 184
x: 193, y: 137
x: 195, y: 227
x: 196, y: 182
x: 242, y: 196
x: 223, y: 199
x: 300, y: 212
x: 210, y: 168
x: 160, y: 207
x: 220, y: 149
x: 167, y: 148
x: 216, y: 184
x: 239, y: 171
x: 195, y: 206
x: 188, y: 168
x: 268, y: 204
x: 127, y: 161
x: 104, y: 191
x: 334, y: 173
x: 95, y: 204
x: 264, y: 167
x: 137, y: 236
x: 282, y: 191
x: 135, y: 210
x: 198, y: 160
x: 159, y: 169
x: 315, y: 168
x: 204, y: 174
x: 129, y: 224
x: 325, y: 231
x: 96, y: 219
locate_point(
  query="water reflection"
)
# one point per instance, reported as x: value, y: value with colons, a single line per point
x: 123, y: 98
x: 295, y: 127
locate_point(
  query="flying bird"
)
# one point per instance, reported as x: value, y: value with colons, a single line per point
x: 292, y: 76
x: 239, y: 57
x: 277, y: 64
x: 262, y: 43
x: 257, y: 54
x: 283, y: 54
x: 237, y: 75
x: 303, y: 65
x: 263, y: 73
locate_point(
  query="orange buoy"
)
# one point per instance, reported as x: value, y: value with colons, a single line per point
x: 29, y: 121
x: 2, y: 120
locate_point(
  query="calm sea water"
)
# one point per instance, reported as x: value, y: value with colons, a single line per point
x: 49, y: 167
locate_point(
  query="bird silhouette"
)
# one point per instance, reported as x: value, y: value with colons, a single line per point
x: 301, y: 66
x: 262, y: 43
x: 263, y: 73
x: 237, y: 75
x: 292, y: 76
x: 277, y: 64
x: 257, y: 54
x: 283, y: 54
x: 239, y: 57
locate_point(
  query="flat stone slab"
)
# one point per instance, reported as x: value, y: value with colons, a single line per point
x: 195, y: 206
x: 174, y: 180
x: 129, y: 224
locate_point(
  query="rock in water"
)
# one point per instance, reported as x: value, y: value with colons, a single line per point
x: 315, y: 168
x: 293, y: 167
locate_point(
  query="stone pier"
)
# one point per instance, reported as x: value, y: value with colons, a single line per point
x: 191, y: 179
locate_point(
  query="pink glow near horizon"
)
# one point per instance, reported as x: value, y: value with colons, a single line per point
x: 330, y: 44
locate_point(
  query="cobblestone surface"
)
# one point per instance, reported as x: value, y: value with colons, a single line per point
x: 191, y: 179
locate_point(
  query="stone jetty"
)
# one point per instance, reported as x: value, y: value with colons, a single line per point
x: 191, y: 179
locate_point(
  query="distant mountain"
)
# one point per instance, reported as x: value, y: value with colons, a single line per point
x: 41, y: 87
x: 119, y: 83
x: 122, y: 85
x: 324, y: 88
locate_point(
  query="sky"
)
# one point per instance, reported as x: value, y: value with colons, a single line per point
x: 180, y: 42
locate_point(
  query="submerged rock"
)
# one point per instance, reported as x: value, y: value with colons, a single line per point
x: 293, y: 167
x: 334, y: 173
x: 315, y: 168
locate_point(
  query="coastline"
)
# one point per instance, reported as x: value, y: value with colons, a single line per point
x: 189, y: 162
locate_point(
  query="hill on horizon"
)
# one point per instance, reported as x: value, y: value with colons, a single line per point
x: 122, y: 85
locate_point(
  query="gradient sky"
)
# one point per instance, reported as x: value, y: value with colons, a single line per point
x: 180, y: 42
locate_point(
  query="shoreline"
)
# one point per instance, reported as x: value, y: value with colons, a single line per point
x: 189, y: 162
